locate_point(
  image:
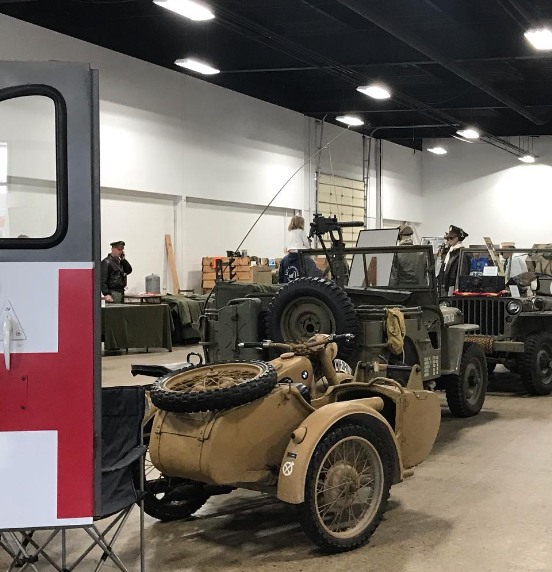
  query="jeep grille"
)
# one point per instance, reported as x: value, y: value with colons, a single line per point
x: 487, y: 313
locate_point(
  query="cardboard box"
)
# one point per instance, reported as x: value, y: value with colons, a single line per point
x: 321, y: 262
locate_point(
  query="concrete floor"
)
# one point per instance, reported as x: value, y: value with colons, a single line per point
x: 481, y: 502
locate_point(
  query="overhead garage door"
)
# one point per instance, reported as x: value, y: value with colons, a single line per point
x: 344, y: 198
x: 141, y: 220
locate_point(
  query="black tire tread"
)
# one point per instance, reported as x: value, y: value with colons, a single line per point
x: 323, y: 289
x: 158, y: 509
x: 216, y: 399
x: 454, y: 384
x: 526, y: 364
x: 306, y: 510
x: 169, y: 513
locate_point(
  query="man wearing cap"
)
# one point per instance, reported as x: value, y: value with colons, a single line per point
x: 409, y: 268
x: 514, y: 264
x: 449, y: 268
x: 114, y: 270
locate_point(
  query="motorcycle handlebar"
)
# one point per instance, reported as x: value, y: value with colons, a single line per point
x: 340, y: 337
x: 290, y: 345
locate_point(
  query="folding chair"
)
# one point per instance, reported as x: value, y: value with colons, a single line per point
x: 122, y: 487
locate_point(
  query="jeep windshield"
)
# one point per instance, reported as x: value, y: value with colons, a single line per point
x: 391, y: 268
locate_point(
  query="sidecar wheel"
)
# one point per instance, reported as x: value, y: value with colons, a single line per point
x: 214, y: 387
x: 346, y: 488
x: 159, y: 504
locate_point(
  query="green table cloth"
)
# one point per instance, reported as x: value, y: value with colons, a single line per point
x: 187, y: 308
x: 136, y: 326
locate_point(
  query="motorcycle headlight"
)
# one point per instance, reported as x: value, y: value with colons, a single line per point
x: 513, y: 307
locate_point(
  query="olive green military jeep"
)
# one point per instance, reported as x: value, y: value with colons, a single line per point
x: 514, y: 314
x: 376, y: 280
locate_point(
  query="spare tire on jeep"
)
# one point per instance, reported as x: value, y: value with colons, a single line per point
x: 310, y: 306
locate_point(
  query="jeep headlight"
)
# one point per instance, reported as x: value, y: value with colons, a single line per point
x: 513, y: 307
x: 445, y: 304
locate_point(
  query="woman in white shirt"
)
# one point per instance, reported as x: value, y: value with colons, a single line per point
x: 297, y: 236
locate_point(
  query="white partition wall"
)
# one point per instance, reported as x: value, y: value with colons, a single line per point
x: 142, y: 220
x: 210, y: 229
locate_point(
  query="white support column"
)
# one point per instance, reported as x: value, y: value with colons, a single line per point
x: 378, y: 157
x: 369, y: 177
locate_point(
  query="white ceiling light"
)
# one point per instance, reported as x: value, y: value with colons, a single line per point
x: 197, y: 66
x: 375, y: 91
x: 187, y: 8
x: 527, y: 159
x: 540, y: 39
x: 468, y: 133
x: 437, y: 150
x: 350, y: 120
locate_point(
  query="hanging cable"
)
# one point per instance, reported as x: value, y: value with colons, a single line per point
x: 286, y: 184
x: 274, y: 198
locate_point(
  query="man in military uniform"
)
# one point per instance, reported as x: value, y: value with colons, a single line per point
x: 452, y: 259
x: 409, y: 269
x: 114, y: 270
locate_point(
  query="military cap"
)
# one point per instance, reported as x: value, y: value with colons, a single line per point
x: 118, y: 243
x: 406, y: 231
x: 457, y: 231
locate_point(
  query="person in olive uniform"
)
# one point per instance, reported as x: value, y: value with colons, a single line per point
x: 409, y: 268
x: 114, y: 270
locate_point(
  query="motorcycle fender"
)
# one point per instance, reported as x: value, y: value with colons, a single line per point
x: 304, y: 440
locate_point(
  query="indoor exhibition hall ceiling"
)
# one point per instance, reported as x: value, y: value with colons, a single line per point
x: 445, y: 62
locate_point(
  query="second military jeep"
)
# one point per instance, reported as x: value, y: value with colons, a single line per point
x: 513, y: 312
x: 379, y: 281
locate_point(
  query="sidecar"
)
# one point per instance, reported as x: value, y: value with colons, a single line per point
x: 334, y: 456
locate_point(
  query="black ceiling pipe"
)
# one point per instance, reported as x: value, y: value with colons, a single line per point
x: 364, y: 9
x: 521, y: 10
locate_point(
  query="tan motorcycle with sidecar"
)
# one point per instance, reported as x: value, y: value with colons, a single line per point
x: 302, y: 427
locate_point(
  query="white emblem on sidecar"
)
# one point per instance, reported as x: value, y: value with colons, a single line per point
x: 287, y: 469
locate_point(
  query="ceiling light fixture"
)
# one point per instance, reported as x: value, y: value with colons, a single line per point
x: 351, y: 120
x: 197, y: 66
x: 527, y: 159
x: 540, y: 39
x: 375, y: 91
x: 187, y: 8
x: 437, y: 150
x: 468, y: 133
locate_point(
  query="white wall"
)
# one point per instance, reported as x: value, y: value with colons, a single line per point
x: 401, y: 183
x: 165, y: 132
x: 141, y: 220
x: 211, y: 229
x: 488, y: 192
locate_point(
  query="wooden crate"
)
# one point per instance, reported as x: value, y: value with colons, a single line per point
x: 261, y: 274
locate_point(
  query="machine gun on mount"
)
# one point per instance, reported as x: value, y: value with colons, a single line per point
x: 335, y: 254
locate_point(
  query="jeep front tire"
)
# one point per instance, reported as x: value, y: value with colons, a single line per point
x: 466, y: 391
x: 535, y: 365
